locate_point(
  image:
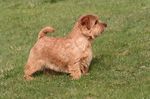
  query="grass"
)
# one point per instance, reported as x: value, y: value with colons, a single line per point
x: 121, y: 65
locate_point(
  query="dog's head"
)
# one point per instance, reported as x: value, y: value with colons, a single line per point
x: 91, y: 26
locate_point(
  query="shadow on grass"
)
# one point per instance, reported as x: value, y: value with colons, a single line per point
x: 103, y: 62
x: 47, y: 72
x: 52, y: 1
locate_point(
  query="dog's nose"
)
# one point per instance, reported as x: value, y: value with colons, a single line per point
x: 104, y: 24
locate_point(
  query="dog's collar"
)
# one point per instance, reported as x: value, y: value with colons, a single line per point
x: 90, y: 36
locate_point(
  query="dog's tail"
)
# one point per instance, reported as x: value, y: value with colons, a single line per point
x: 44, y: 31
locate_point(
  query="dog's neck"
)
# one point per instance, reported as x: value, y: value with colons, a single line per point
x: 76, y: 33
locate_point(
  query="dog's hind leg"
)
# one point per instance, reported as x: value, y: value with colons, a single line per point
x: 31, y: 69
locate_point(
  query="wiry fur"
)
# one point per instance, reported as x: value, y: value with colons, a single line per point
x: 71, y: 54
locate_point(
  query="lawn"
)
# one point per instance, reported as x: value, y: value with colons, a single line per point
x: 121, y: 65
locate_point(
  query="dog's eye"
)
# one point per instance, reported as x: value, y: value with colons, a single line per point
x: 96, y: 22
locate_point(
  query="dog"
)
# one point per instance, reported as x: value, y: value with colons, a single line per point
x: 71, y: 54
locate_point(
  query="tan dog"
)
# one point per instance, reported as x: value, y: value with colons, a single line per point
x: 72, y: 54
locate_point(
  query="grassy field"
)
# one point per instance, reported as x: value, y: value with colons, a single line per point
x: 121, y: 65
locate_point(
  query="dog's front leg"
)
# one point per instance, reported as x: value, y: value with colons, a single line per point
x: 74, y: 70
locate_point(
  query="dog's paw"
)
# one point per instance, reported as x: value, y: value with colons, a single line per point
x: 75, y: 77
x: 28, y: 78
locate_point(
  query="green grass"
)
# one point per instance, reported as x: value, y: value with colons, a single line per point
x: 121, y: 65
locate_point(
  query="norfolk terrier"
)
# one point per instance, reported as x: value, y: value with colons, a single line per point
x: 71, y: 54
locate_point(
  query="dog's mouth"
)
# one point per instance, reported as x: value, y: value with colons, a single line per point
x: 104, y: 25
x: 102, y: 28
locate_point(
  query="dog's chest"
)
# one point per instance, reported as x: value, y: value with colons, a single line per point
x: 86, y: 50
x: 82, y: 44
x: 87, y: 56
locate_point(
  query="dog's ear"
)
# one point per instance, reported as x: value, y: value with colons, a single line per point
x: 85, y: 21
